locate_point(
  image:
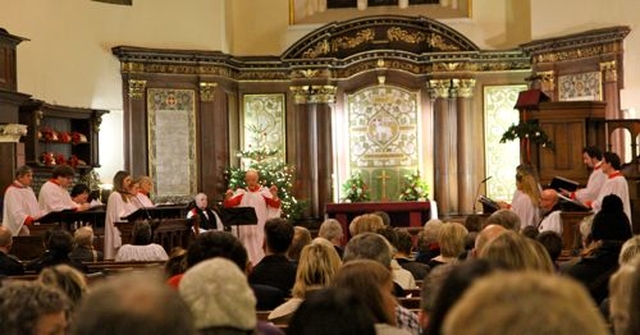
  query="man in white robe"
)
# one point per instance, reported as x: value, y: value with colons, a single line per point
x: 615, y: 184
x: 20, y: 207
x: 551, y: 219
x: 592, y: 158
x: 54, y: 196
x: 266, y: 204
x: 209, y: 219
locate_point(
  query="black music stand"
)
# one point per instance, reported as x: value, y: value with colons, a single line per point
x: 488, y: 205
x: 239, y: 216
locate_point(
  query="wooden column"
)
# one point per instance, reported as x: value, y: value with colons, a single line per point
x: 467, y: 122
x: 213, y: 139
x: 611, y: 94
x: 136, y: 157
x: 445, y: 125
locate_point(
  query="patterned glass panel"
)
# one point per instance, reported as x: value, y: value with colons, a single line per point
x: 264, y: 122
x: 501, y: 158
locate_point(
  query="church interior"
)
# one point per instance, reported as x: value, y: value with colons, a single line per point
x: 412, y: 107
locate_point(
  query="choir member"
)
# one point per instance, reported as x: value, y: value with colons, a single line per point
x: 54, y: 196
x: 209, y: 219
x: 615, y: 184
x: 551, y: 219
x: 525, y: 200
x: 80, y: 193
x: 592, y: 158
x: 145, y: 186
x: 20, y: 206
x: 266, y: 203
x: 120, y: 204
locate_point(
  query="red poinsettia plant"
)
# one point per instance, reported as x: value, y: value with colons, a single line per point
x: 48, y: 134
x: 64, y: 137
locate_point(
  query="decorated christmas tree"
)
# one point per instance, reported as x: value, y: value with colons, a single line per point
x: 414, y: 188
x: 272, y: 171
x: 355, y: 189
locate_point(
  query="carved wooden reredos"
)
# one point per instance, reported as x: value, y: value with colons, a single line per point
x: 314, y: 74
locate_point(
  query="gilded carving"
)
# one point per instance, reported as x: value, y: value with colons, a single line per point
x: 321, y: 48
x: 609, y: 71
x: 578, y: 53
x: 463, y: 88
x: 11, y: 133
x: 137, y: 88
x: 97, y: 121
x: 340, y: 43
x: 436, y: 41
x: 399, y: 34
x: 314, y: 94
x: 439, y: 88
x: 547, y: 80
x: 299, y: 94
x: 309, y: 73
x: 207, y: 91
x: 38, y: 116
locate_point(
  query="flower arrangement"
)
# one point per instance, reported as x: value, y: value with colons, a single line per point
x: 530, y: 131
x: 355, y: 189
x: 414, y: 189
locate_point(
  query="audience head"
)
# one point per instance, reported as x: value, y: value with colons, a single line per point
x: 473, y: 223
x: 530, y: 232
x: 633, y: 324
x: 630, y: 249
x: 552, y: 242
x: 405, y: 243
x: 318, y: 265
x: 548, y: 199
x: 386, y: 219
x: 32, y: 308
x: 141, y: 234
x: 430, y: 287
x: 516, y: 252
x: 611, y: 223
x: 278, y: 235
x: 177, y: 262
x: 367, y: 223
x: 135, y: 304
x: 368, y: 246
x: 610, y: 162
x: 24, y: 175
x: 145, y: 184
x: 451, y: 239
x: 325, y: 313
x: 63, y: 175
x: 453, y: 286
x: 301, y: 238
x: 620, y: 296
x: 201, y: 200
x: 591, y: 156
x: 431, y: 231
x: 122, y: 182
x: 217, y: 244
x: 506, y: 218
x: 391, y: 235
x: 80, y: 193
x: 59, y: 242
x: 83, y: 237
x: 331, y: 229
x: 585, y: 230
x: 373, y: 284
x: 219, y: 296
x: 524, y: 303
x: 6, y: 239
x: 67, y: 279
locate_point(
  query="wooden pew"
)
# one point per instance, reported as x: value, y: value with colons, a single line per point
x: 410, y: 303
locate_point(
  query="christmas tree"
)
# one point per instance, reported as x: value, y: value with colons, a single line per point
x: 414, y: 188
x: 272, y: 171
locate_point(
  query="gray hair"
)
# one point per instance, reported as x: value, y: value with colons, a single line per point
x: 432, y: 230
x: 331, y: 229
x: 83, y: 236
x: 368, y: 246
x: 629, y: 250
x: 506, y: 218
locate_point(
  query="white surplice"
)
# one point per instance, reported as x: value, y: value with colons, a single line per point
x: 141, y: 253
x: 54, y: 198
x: 143, y: 201
x: 116, y: 209
x: 615, y: 184
x: 524, y: 207
x: 552, y: 222
x: 594, y: 184
x: 252, y: 237
x: 20, y: 204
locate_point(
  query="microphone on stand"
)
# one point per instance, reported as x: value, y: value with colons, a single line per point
x: 475, y: 199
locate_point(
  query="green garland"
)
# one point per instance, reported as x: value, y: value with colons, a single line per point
x: 355, y: 189
x: 530, y: 130
x: 414, y: 188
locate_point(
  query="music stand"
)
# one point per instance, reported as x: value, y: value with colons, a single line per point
x: 488, y: 205
x: 239, y: 216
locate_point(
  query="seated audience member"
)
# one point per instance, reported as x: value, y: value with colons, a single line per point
x: 620, y: 296
x: 610, y: 229
x: 318, y: 265
x: 145, y: 186
x: 451, y: 241
x: 372, y: 283
x: 331, y: 230
x: 367, y: 223
x: 430, y: 287
x: 374, y: 247
x: 67, y: 279
x: 530, y: 232
x: 473, y: 223
x: 9, y: 265
x: 208, y: 218
x: 301, y: 238
x: 403, y: 256
x: 33, y: 308
x: 453, y: 287
x: 58, y: 244
x: 141, y: 248
x: 505, y: 218
x: 630, y: 249
x: 133, y: 304
x: 401, y: 276
x: 275, y: 269
x: 634, y: 305
x: 326, y: 312
x: 386, y: 219
x: 83, y: 250
x: 428, y: 246
x: 524, y: 303
x: 552, y: 242
x: 485, y: 236
x: 80, y: 194
x: 177, y: 262
x: 550, y: 205
x: 219, y: 297
x: 516, y: 252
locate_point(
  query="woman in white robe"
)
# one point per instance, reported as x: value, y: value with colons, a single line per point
x: 120, y: 204
x: 526, y: 200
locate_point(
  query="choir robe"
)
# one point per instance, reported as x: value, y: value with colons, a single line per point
x: 615, y: 184
x: 552, y: 222
x: 116, y: 209
x: 144, y: 201
x: 524, y: 207
x: 20, y: 208
x: 209, y: 219
x: 594, y: 184
x: 252, y: 237
x: 54, y: 198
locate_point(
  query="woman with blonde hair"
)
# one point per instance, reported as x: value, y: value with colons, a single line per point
x: 526, y: 199
x: 451, y: 239
x: 517, y: 252
x: 67, y: 279
x: 366, y: 223
x: 319, y: 263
